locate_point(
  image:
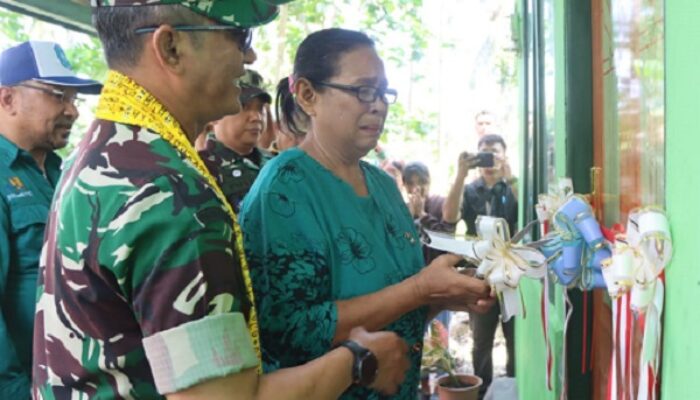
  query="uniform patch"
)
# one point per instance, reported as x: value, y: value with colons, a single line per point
x: 16, y: 183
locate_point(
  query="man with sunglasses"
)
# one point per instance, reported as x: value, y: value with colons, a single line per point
x: 144, y: 287
x: 38, y: 94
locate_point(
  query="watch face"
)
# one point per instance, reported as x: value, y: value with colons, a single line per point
x: 368, y: 369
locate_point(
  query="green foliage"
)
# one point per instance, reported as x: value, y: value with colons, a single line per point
x: 88, y: 59
x: 397, y: 26
x: 12, y: 28
x: 436, y: 355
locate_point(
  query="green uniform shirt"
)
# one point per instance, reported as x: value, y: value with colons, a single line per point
x: 25, y: 197
x: 234, y: 172
x: 140, y: 289
x: 311, y: 241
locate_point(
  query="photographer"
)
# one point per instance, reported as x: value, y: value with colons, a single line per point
x: 491, y: 194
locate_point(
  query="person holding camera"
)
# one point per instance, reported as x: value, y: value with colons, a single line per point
x: 491, y: 194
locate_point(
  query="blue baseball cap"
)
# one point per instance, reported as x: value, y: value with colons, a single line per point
x: 43, y: 62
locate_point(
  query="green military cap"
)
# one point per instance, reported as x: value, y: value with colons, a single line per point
x: 239, y: 13
x: 252, y: 86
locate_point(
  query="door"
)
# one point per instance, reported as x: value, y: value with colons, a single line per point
x: 628, y: 131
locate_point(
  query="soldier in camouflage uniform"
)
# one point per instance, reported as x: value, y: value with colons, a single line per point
x: 231, y: 151
x: 143, y: 286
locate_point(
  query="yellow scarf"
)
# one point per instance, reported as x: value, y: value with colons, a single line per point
x: 126, y: 102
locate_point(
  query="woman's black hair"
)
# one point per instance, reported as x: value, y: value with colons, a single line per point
x: 418, y: 169
x: 317, y: 61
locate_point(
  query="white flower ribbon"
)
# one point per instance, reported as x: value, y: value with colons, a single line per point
x: 548, y: 204
x: 639, y: 257
x: 501, y: 262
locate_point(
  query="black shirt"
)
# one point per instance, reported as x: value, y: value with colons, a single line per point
x: 498, y: 201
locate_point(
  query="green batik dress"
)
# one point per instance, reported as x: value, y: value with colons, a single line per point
x: 311, y: 241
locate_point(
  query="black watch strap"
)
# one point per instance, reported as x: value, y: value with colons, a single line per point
x: 364, y: 367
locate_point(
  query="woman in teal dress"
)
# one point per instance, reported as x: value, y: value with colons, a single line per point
x: 330, y: 242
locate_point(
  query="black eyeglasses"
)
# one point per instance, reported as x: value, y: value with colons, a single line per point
x: 59, y: 95
x: 243, y: 37
x: 365, y: 93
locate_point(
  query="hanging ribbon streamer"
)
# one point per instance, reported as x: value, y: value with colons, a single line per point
x: 634, y: 273
x: 546, y: 207
x: 501, y: 261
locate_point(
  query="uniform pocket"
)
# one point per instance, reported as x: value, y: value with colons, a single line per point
x: 24, y: 216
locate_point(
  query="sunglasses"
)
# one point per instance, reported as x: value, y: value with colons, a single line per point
x: 242, y: 36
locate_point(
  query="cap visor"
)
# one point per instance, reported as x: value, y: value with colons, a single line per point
x: 85, y: 86
x: 247, y: 96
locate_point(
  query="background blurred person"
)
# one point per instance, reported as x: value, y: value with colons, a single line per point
x: 489, y: 195
x: 231, y: 151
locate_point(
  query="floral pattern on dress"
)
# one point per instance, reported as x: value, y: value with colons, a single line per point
x: 355, y: 250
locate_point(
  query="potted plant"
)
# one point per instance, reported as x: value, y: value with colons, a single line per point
x: 437, y: 358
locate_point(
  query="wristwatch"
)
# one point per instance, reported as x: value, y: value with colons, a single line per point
x: 364, y: 367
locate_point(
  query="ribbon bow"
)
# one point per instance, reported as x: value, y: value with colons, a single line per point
x: 577, y: 246
x: 502, y: 262
x: 639, y: 257
x: 548, y: 204
x: 634, y: 273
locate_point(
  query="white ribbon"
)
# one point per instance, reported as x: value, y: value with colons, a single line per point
x: 548, y: 204
x: 639, y: 258
x: 501, y: 262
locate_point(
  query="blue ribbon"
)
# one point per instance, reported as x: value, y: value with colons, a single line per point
x: 576, y: 247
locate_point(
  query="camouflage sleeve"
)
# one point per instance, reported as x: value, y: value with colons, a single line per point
x: 14, y: 383
x: 289, y: 263
x: 169, y: 247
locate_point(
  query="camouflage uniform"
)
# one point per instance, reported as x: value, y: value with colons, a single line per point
x: 234, y: 172
x: 139, y: 280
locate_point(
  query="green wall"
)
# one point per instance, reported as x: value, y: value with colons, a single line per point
x: 682, y: 317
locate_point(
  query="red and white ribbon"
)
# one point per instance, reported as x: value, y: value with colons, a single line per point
x: 634, y: 279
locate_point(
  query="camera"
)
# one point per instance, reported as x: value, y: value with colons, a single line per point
x: 485, y: 160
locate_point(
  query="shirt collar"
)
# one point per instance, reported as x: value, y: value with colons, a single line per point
x: 213, y: 144
x: 8, y: 151
x: 480, y: 185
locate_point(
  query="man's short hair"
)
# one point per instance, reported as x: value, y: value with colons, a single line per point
x: 115, y: 27
x: 415, y: 168
x: 491, y: 139
x: 482, y: 112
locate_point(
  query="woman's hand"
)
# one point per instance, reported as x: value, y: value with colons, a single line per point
x: 416, y: 203
x: 439, y: 283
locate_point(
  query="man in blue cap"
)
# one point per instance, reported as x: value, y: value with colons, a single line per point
x: 144, y: 285
x: 38, y: 94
